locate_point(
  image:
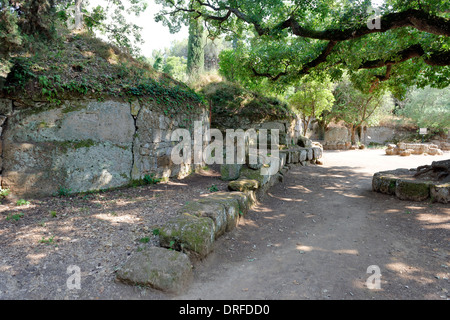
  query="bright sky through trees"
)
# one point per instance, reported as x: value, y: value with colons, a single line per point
x: 155, y: 35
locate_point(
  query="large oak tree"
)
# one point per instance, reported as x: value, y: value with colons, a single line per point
x: 402, y: 42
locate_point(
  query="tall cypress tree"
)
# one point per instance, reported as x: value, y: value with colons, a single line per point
x: 196, y: 44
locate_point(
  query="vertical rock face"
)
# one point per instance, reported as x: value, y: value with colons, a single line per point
x: 152, y: 145
x: 84, y: 145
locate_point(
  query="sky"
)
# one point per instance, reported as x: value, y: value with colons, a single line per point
x: 155, y: 35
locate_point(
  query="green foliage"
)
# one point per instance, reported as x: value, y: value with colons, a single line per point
x: 213, y: 188
x: 15, y: 217
x: 4, y: 193
x: 50, y: 240
x: 20, y: 73
x: 268, y: 47
x: 64, y: 192
x: 86, y: 66
x: 176, y: 67
x: 196, y: 54
x: 428, y: 108
x: 10, y: 36
x: 144, y: 240
x: 229, y: 100
x: 357, y: 108
x: 149, y: 179
x: 22, y: 202
x: 234, y: 67
x: 313, y: 97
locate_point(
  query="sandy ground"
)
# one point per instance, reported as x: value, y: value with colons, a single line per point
x: 314, y: 236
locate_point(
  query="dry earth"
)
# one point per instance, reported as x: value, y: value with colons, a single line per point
x: 313, y: 237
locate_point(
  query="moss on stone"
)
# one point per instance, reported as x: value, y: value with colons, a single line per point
x: 65, y: 146
x: 229, y: 202
x: 230, y: 171
x: 243, y: 185
x: 255, y: 175
x: 412, y: 190
x: 187, y: 232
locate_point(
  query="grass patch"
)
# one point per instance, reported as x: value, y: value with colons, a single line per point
x: 64, y: 192
x: 15, y: 217
x: 22, y: 202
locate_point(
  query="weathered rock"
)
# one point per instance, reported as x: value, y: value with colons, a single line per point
x: 134, y: 108
x: 440, y: 193
x: 230, y: 172
x: 404, y: 153
x: 303, y: 155
x: 6, y: 107
x: 212, y: 210
x: 392, y: 151
x: 406, y: 149
x: 384, y: 182
x: 86, y: 145
x: 40, y: 169
x: 309, y: 154
x: 412, y: 190
x: 245, y: 190
x: 245, y: 200
x: 229, y: 202
x: 255, y: 175
x: 317, y: 153
x: 187, y: 232
x: 403, y: 184
x: 158, y: 268
x: 243, y: 185
x: 304, y: 142
x: 434, y: 152
x: 295, y: 156
x: 282, y: 157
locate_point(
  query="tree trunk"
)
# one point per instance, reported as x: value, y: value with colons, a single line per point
x: 440, y: 168
x: 353, y: 134
x: 306, y: 121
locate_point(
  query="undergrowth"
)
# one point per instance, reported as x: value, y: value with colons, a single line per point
x: 83, y: 66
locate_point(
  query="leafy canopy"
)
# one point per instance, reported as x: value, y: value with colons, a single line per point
x: 402, y: 43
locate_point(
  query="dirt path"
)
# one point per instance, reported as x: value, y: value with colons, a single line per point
x: 315, y: 235
x: 312, y: 237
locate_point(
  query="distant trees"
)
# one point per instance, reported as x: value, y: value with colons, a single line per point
x: 174, y: 59
x: 358, y: 109
x: 196, y: 53
x: 313, y: 96
x: 428, y: 108
x: 24, y: 24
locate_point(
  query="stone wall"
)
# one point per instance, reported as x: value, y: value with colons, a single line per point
x: 85, y: 145
x: 339, y: 137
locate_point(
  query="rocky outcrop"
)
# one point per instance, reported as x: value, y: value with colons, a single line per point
x: 84, y: 145
x: 407, y: 149
x: 158, y: 268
